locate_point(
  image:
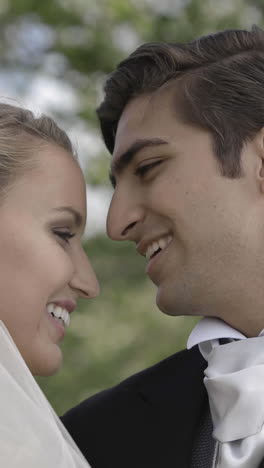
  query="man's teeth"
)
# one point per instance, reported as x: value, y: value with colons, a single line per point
x: 59, y: 313
x: 156, y: 245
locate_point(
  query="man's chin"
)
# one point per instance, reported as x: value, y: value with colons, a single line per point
x: 171, y: 304
x: 165, y: 304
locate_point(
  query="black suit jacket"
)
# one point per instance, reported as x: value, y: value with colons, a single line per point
x: 147, y: 421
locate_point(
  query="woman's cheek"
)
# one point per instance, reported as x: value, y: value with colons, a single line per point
x: 59, y: 268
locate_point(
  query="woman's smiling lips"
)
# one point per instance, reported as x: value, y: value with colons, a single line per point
x: 58, y: 311
x: 58, y: 325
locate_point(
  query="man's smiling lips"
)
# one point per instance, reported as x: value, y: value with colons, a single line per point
x: 152, y: 248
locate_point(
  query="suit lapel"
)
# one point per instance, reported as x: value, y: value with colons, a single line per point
x: 175, y: 399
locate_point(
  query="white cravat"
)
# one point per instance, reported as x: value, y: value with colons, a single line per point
x: 234, y: 380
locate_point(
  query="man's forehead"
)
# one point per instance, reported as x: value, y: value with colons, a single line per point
x: 134, y: 114
x: 142, y: 118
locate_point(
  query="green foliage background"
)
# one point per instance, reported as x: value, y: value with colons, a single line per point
x: 122, y: 331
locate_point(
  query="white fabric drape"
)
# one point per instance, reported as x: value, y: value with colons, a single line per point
x: 31, y: 434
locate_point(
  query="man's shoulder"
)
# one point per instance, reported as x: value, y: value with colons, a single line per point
x: 166, y: 374
x: 136, y: 422
x: 172, y: 367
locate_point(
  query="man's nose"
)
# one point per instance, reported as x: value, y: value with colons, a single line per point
x: 84, y: 279
x: 124, y: 214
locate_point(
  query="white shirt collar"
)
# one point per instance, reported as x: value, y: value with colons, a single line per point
x: 211, y: 328
x: 207, y: 333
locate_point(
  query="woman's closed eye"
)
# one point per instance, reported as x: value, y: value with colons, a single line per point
x: 64, y: 235
x: 144, y: 169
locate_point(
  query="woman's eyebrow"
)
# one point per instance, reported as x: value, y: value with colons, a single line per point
x: 78, y: 218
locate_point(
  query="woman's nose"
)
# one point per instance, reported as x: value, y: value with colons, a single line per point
x: 84, y: 279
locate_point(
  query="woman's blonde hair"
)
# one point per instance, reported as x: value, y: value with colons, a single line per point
x: 22, y: 134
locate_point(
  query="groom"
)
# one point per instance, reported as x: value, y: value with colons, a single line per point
x: 185, y: 126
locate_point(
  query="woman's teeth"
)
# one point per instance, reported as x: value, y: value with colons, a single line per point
x: 60, y: 313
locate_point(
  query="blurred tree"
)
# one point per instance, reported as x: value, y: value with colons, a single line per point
x: 82, y: 41
x: 78, y: 43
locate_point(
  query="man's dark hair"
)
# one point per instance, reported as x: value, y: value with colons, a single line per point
x: 219, y: 86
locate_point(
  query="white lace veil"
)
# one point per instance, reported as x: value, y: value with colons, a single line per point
x: 31, y: 434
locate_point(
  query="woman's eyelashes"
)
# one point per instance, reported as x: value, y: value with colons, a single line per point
x: 144, y: 169
x: 64, y: 235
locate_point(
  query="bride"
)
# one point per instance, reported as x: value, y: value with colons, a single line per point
x: 43, y: 271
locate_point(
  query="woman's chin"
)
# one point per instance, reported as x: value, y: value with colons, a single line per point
x: 48, y: 366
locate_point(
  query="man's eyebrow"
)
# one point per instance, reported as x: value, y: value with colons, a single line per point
x: 126, y: 158
x: 78, y: 219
